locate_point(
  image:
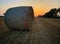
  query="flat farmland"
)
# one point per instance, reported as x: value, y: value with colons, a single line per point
x: 43, y: 31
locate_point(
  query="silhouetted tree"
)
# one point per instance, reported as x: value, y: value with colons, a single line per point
x: 51, y: 13
x: 39, y: 16
x: 58, y: 10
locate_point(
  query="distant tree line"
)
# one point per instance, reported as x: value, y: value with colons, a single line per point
x: 52, y: 13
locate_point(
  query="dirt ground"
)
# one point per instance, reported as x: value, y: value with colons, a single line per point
x: 43, y: 31
x: 3, y: 27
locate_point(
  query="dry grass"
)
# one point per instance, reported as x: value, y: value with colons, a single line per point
x: 3, y: 27
x: 43, y: 31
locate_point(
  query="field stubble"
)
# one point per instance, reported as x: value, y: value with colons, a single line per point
x: 43, y: 31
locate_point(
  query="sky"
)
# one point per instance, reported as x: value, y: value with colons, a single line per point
x: 39, y: 6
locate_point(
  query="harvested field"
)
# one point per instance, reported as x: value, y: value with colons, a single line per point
x: 43, y: 31
x: 2, y: 25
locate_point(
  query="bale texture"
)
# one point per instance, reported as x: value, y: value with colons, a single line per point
x: 19, y: 18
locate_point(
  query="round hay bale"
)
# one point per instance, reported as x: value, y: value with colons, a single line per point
x: 19, y: 18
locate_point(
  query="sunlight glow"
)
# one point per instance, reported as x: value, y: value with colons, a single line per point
x: 40, y: 6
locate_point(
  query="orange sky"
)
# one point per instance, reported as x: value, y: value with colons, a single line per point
x: 37, y: 11
x: 40, y: 6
